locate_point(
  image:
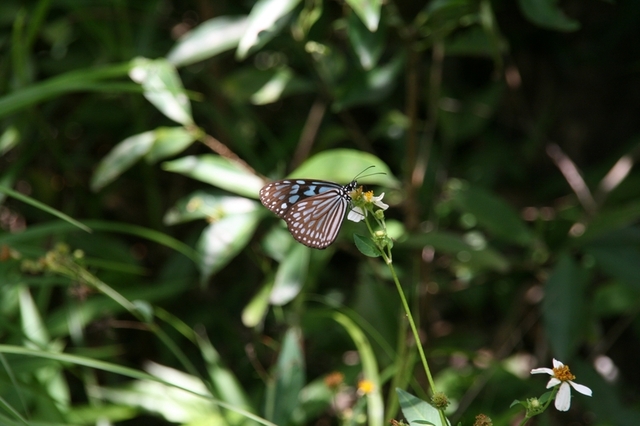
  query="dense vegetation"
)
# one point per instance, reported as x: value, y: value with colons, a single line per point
x: 142, y: 282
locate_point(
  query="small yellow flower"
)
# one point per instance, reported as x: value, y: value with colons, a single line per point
x: 483, y: 420
x: 563, y: 377
x: 364, y: 201
x: 365, y: 387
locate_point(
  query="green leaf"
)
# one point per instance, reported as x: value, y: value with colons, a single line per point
x: 9, y: 139
x: 366, y: 246
x: 417, y: 411
x: 343, y: 165
x: 563, y: 307
x: 291, y: 275
x: 266, y: 19
x: 257, y: 308
x: 289, y: 379
x: 207, y: 205
x: 375, y: 406
x: 218, y: 171
x: 367, y: 45
x: 222, y: 240
x: 152, y: 145
x: 162, y: 87
x: 491, y: 212
x: 547, y: 14
x: 208, y: 39
x: 37, y: 204
x: 168, y: 142
x: 368, y: 11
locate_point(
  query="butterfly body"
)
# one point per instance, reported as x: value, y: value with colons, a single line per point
x: 313, y: 209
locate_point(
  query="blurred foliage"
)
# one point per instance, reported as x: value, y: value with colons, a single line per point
x: 141, y: 282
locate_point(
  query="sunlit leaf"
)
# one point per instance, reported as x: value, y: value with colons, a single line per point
x: 218, y: 171
x: 169, y: 141
x: 368, y: 11
x: 266, y: 19
x: 343, y: 165
x: 222, y: 240
x: 367, y: 45
x: 291, y: 275
x: 162, y: 87
x: 9, y: 139
x: 208, y: 39
x: 257, y: 308
x: 205, y: 204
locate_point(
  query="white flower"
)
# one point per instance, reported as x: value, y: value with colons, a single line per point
x: 358, y: 213
x: 562, y: 376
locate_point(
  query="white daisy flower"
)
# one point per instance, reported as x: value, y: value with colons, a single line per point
x: 563, y: 377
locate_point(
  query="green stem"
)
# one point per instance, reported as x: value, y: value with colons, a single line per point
x: 386, y: 255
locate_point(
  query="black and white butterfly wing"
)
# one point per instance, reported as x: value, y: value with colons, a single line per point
x: 316, y: 221
x: 312, y: 209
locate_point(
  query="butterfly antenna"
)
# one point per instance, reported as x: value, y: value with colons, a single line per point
x: 361, y: 176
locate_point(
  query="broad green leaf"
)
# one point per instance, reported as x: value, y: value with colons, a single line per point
x: 218, y: 171
x: 152, y: 145
x: 169, y: 141
x: 266, y: 19
x: 368, y: 11
x: 255, y: 311
x: 417, y: 411
x: 291, y: 275
x: 366, y: 246
x: 83, y: 80
x: 343, y: 165
x: 309, y: 15
x: 563, y: 307
x: 162, y: 87
x: 9, y: 139
x: 367, y: 45
x: 375, y: 405
x: 547, y: 14
x: 259, y: 86
x: 37, y: 337
x: 176, y: 405
x: 204, y: 204
x: 274, y: 88
x: 222, y: 240
x: 491, y: 212
x: 289, y: 379
x: 208, y: 39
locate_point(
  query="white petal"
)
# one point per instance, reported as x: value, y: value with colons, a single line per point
x: 557, y: 363
x: 563, y: 397
x: 553, y: 382
x: 356, y: 214
x: 581, y: 388
x: 542, y: 370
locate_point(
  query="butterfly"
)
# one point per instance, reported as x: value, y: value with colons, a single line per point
x: 313, y: 209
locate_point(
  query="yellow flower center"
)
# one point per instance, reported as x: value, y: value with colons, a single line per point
x: 563, y: 374
x: 368, y: 196
x: 366, y: 386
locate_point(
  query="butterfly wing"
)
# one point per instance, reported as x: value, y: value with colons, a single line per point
x: 316, y: 221
x: 312, y: 209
